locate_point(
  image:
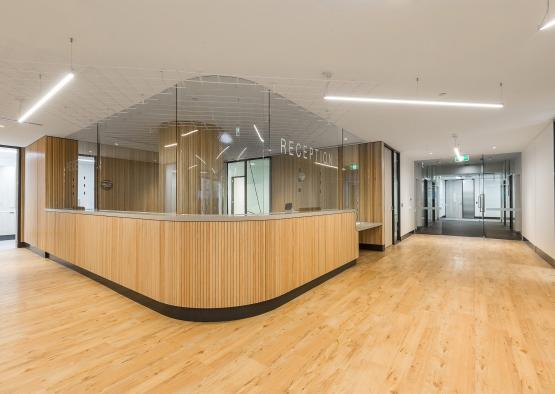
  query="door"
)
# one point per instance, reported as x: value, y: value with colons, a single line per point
x: 453, y: 199
x: 468, y: 204
x: 388, y: 198
x: 498, y: 191
x: 9, y: 159
x: 238, y: 195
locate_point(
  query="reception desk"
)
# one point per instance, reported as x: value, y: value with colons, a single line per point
x: 203, y: 267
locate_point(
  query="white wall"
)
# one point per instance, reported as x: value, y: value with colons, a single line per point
x: 408, y: 216
x: 538, y: 197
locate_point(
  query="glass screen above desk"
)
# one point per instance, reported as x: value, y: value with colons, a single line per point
x: 215, y: 145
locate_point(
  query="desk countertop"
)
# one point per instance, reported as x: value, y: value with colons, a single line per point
x: 172, y: 217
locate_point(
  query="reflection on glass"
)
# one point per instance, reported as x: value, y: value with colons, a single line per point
x: 258, y: 186
x: 216, y: 145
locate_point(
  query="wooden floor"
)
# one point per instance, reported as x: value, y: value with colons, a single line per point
x: 433, y: 314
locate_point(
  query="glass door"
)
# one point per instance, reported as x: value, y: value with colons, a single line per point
x: 497, y: 199
x: 238, y: 195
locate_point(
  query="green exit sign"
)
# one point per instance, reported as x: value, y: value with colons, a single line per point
x: 354, y: 166
x: 462, y: 158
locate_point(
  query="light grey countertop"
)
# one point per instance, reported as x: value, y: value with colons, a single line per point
x: 361, y: 226
x: 172, y: 217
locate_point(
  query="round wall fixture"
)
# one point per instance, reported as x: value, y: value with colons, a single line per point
x: 106, y: 184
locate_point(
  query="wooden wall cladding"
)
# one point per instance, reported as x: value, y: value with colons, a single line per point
x: 371, y: 191
x: 34, y: 192
x: 304, y: 183
x: 200, y: 175
x: 135, y: 185
x: 61, y: 172
x: 205, y: 264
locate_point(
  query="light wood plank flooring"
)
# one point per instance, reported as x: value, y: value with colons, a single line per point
x: 433, y: 314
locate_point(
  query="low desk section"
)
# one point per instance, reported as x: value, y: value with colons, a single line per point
x: 205, y: 267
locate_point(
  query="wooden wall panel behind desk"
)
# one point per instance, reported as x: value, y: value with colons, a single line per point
x: 34, y: 191
x: 372, y: 191
x: 319, y: 189
x: 205, y: 264
x: 61, y: 172
x: 135, y: 185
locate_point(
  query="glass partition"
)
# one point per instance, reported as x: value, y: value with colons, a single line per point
x: 216, y: 145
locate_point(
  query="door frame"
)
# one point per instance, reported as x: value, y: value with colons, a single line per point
x: 395, y: 173
x: 20, y: 155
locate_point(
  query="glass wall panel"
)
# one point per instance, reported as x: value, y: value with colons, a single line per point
x: 216, y: 145
x: 258, y: 186
x: 137, y: 168
x: 221, y: 120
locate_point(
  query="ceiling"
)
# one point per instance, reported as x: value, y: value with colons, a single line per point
x: 247, y: 117
x: 127, y: 51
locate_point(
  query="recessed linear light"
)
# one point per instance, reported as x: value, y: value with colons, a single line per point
x: 241, y: 154
x: 433, y: 103
x: 325, y: 165
x: 430, y: 153
x: 548, y: 25
x: 222, y: 152
x: 457, y: 153
x: 170, y: 145
x: 189, y: 133
x: 200, y: 158
x: 65, y: 80
x: 258, y: 132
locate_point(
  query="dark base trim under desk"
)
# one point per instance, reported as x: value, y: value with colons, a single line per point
x: 379, y: 248
x: 200, y: 314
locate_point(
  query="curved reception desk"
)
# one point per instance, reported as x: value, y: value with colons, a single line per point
x: 204, y: 267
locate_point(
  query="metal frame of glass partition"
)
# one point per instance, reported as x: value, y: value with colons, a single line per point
x: 246, y: 166
x: 492, y: 209
x: 395, y: 194
x: 18, y: 187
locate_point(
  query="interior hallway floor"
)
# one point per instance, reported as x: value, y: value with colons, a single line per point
x: 470, y: 228
x: 431, y: 314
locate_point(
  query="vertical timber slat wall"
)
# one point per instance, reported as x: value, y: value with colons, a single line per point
x: 372, y: 191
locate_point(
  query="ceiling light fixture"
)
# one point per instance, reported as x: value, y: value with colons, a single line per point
x: 170, y: 145
x: 222, y: 152
x: 457, y: 153
x: 325, y: 165
x: 200, y: 158
x: 433, y: 103
x: 189, y: 133
x: 494, y: 147
x: 59, y: 86
x: 548, y: 25
x: 2, y: 126
x: 241, y: 154
x: 258, y: 132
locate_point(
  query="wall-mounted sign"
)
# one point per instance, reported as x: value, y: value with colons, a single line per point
x: 462, y: 158
x: 292, y: 148
x: 106, y: 184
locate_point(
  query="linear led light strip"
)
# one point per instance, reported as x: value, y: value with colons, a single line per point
x: 189, y: 133
x: 241, y: 154
x: 222, y: 152
x: 200, y: 158
x: 325, y: 165
x: 377, y: 100
x: 65, y: 80
x: 170, y: 145
x: 457, y: 153
x: 258, y: 132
